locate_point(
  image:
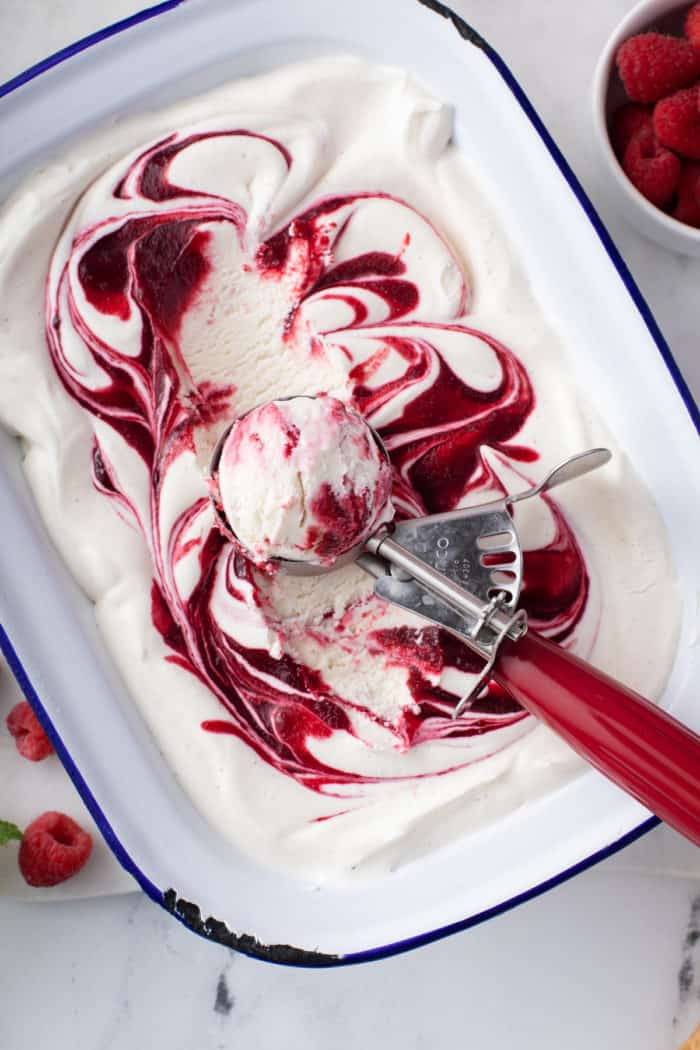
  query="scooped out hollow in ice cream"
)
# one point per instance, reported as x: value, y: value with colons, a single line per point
x: 303, y: 479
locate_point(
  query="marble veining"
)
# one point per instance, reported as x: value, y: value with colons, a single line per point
x: 224, y: 1000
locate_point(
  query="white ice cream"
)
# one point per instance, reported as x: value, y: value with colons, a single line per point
x: 303, y: 479
x: 268, y: 319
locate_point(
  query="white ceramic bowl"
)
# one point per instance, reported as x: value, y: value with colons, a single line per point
x: 608, y: 94
x: 614, y: 350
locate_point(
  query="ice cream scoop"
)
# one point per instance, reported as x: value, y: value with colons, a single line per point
x: 462, y: 570
x: 302, y: 479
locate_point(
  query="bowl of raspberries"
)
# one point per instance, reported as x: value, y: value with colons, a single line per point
x: 647, y: 115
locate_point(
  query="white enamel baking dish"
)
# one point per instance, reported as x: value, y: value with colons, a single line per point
x: 617, y: 351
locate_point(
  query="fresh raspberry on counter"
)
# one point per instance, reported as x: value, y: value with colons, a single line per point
x: 652, y: 65
x: 626, y: 122
x: 53, y: 848
x: 651, y: 168
x: 692, y: 25
x: 30, y: 739
x: 687, y: 208
x: 677, y: 122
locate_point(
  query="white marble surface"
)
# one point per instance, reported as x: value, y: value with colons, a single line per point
x: 606, y: 961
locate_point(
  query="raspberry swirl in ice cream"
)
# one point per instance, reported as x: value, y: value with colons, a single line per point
x: 367, y: 282
x: 237, y: 259
x: 302, y: 479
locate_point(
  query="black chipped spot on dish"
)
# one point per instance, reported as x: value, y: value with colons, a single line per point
x: 466, y: 31
x: 216, y: 930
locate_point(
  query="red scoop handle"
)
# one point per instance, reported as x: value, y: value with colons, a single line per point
x: 637, y: 745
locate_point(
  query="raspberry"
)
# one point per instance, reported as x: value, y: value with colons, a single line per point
x: 692, y: 25
x: 677, y: 122
x: 687, y: 207
x: 651, y: 168
x: 53, y: 848
x: 30, y: 739
x: 626, y: 122
x: 652, y: 65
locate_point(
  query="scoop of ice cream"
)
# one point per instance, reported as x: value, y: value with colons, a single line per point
x: 303, y: 479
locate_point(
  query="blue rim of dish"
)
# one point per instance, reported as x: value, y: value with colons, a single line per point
x: 84, y: 43
x: 473, y: 37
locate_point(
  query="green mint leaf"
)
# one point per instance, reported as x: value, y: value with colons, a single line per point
x: 8, y: 832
